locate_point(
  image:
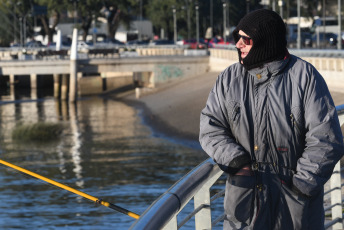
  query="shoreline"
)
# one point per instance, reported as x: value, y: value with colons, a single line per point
x: 160, y: 128
x: 173, y: 109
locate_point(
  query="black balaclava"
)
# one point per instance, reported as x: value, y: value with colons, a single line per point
x: 268, y: 32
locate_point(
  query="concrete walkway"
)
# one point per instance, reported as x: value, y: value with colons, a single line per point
x: 174, y: 110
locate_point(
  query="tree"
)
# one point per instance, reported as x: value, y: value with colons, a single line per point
x: 116, y: 12
x: 113, y: 11
x: 17, y: 19
x: 53, y: 12
x: 86, y: 12
x: 160, y: 13
x: 9, y: 26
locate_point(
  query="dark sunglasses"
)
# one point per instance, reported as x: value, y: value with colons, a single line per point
x: 245, y: 40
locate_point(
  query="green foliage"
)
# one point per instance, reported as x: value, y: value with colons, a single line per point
x: 12, y: 10
x: 161, y: 15
x: 10, y: 13
x: 56, y: 5
x: 6, y: 26
x: 38, y: 132
x: 117, y: 12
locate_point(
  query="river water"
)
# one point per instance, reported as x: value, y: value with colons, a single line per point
x: 105, y: 150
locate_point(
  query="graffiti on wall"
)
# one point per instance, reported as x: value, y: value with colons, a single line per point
x: 167, y: 72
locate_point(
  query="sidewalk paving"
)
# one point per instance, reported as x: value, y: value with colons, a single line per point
x: 175, y: 109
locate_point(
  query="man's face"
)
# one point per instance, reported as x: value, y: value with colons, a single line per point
x: 244, y: 44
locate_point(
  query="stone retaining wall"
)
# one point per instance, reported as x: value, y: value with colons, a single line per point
x: 332, y: 69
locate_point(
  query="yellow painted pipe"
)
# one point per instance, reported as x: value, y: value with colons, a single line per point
x: 99, y: 201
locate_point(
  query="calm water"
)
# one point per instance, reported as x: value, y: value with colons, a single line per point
x: 105, y: 150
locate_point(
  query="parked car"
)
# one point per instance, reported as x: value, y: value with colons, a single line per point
x: 84, y: 46
x: 306, y: 40
x: 64, y: 45
x: 325, y: 40
x: 137, y: 42
x: 15, y: 45
x: 109, y: 43
x: 217, y: 41
x: 161, y: 42
x: 34, y: 44
x: 192, y: 43
x: 113, y: 41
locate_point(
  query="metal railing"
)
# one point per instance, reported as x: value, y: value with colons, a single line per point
x: 197, y: 185
x: 47, y: 53
x: 162, y: 214
x: 219, y: 51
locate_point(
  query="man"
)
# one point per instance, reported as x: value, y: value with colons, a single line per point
x: 271, y: 124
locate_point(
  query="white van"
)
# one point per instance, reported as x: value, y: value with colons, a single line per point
x: 331, y: 25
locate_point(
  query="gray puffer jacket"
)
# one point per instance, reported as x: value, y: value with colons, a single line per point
x: 282, y: 121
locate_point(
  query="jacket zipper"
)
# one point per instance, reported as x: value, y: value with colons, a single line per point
x: 293, y: 121
x: 258, y: 206
x: 257, y: 195
x: 236, y: 113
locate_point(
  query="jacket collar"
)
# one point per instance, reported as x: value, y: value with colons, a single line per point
x: 270, y: 69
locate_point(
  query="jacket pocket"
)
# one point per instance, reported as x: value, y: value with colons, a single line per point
x: 297, y: 120
x: 234, y: 115
x: 239, y: 198
x: 293, y: 209
x: 233, y: 112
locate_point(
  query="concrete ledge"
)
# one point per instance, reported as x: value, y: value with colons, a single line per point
x: 331, y: 68
x: 90, y: 85
x: 194, y: 52
x: 219, y: 64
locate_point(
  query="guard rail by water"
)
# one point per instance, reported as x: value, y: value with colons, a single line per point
x: 197, y: 185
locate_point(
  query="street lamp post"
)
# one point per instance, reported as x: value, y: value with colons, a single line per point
x: 247, y: 6
x: 14, y: 22
x: 224, y: 22
x: 21, y: 31
x: 298, y: 26
x: 189, y: 17
x: 197, y: 23
x: 186, y: 7
x: 280, y: 4
x: 339, y: 40
x: 94, y: 29
x: 24, y: 28
x: 75, y: 14
x: 174, y: 24
x: 211, y: 18
x: 273, y: 5
x: 324, y: 16
x: 140, y: 35
x: 20, y: 22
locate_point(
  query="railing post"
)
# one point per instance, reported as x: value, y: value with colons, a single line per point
x: 336, y: 197
x: 64, y: 87
x: 172, y: 224
x: 202, y: 198
x: 203, y: 217
x: 12, y: 86
x: 33, y: 85
x: 57, y: 85
x: 73, y: 79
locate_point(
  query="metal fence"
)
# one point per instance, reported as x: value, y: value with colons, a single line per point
x: 27, y: 53
x: 197, y: 185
